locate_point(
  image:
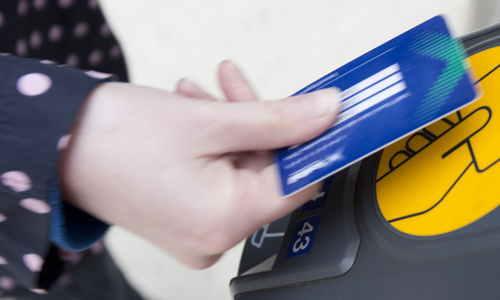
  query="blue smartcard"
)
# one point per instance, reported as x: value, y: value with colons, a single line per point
x: 387, y: 93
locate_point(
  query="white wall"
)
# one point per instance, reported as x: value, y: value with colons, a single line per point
x: 282, y: 44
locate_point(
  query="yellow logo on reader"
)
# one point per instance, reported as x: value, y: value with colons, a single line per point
x: 447, y: 175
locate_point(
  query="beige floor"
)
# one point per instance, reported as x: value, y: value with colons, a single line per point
x: 283, y: 45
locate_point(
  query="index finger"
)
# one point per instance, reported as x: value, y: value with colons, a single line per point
x: 234, y: 84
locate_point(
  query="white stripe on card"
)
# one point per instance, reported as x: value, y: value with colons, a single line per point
x: 369, y: 81
x: 374, y: 100
x: 367, y: 93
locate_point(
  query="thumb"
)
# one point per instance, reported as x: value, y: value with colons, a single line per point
x: 264, y: 125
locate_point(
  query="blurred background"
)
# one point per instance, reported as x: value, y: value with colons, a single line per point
x: 283, y: 45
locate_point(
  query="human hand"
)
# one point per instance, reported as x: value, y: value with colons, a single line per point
x: 193, y: 176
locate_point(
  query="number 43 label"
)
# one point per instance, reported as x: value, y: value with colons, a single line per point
x: 303, y: 236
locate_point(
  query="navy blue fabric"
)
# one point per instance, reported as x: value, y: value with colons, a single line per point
x: 30, y: 130
x: 32, y: 216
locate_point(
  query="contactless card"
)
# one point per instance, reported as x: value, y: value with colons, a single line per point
x: 387, y: 93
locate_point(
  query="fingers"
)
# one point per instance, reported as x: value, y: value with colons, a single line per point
x: 264, y: 125
x: 255, y: 160
x: 192, y: 90
x: 234, y: 84
x: 269, y: 204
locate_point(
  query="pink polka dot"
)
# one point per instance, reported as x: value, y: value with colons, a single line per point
x: 65, y: 280
x: 2, y: 218
x: 63, y: 142
x: 35, y: 205
x: 36, y: 39
x: 33, y: 262
x: 2, y: 261
x: 95, y: 57
x: 105, y: 30
x: 16, y: 181
x: 69, y: 256
x: 97, y: 248
x: 56, y: 32
x: 93, y: 4
x: 39, y: 4
x: 22, y: 8
x: 2, y: 19
x: 33, y: 84
x: 115, y: 52
x: 47, y: 62
x: 21, y: 47
x: 97, y: 75
x: 75, y: 258
x: 7, y: 283
x: 72, y: 60
x: 38, y: 291
x: 81, y: 29
x: 65, y: 3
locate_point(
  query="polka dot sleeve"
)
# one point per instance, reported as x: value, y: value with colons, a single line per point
x: 38, y: 102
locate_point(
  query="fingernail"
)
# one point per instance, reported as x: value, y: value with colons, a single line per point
x: 321, y: 104
x: 233, y: 67
x: 185, y: 83
x: 229, y: 64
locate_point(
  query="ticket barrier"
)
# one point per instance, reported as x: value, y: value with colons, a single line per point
x: 417, y: 220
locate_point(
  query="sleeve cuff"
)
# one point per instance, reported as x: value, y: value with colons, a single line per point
x: 71, y: 228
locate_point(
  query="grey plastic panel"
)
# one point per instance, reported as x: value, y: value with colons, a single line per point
x: 482, y: 39
x: 334, y: 248
x: 264, y: 243
x: 389, y: 266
